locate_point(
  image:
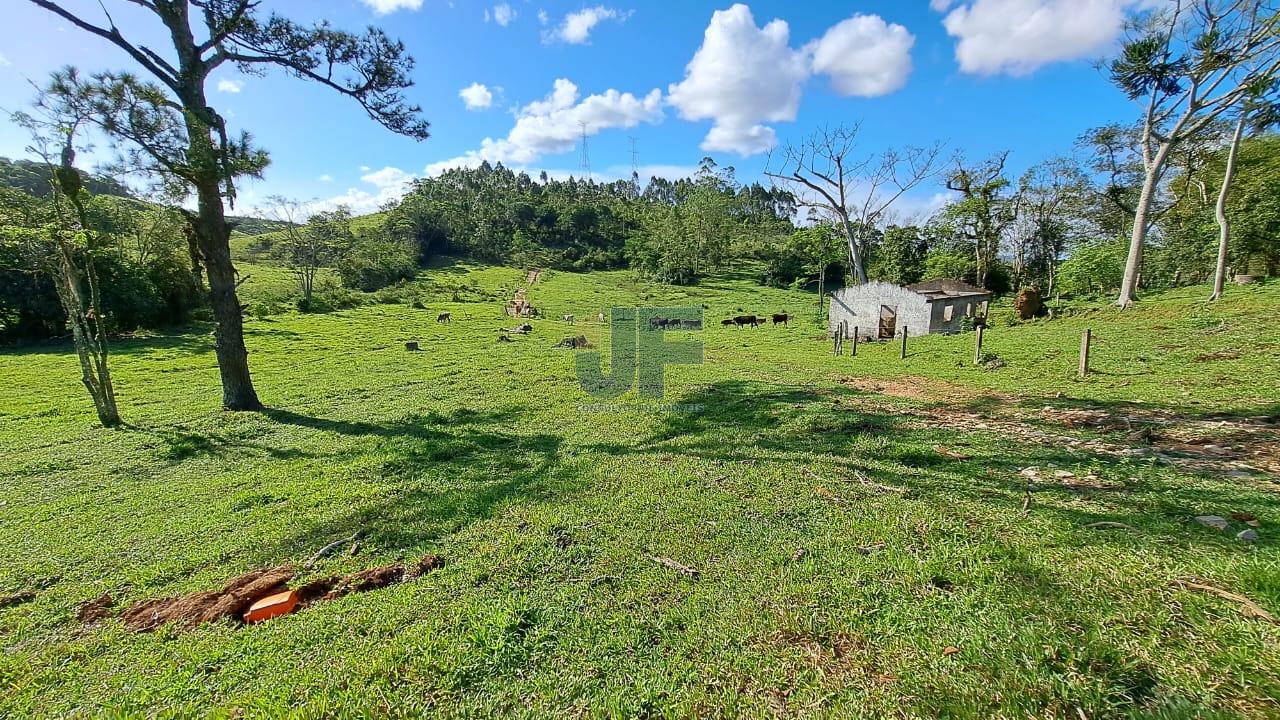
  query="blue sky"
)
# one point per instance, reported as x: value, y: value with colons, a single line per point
x: 684, y: 79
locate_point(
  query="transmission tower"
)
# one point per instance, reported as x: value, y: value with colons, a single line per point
x: 635, y: 166
x: 585, y: 163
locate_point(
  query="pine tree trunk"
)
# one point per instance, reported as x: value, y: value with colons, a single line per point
x: 1220, y: 211
x: 213, y: 235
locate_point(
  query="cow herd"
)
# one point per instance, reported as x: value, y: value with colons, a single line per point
x: 755, y: 322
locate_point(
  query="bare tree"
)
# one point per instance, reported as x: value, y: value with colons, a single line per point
x: 1189, y: 65
x: 67, y: 249
x: 304, y: 249
x: 173, y: 129
x: 855, y: 192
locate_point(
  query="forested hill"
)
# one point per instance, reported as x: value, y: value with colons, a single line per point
x: 32, y: 178
x: 254, y: 226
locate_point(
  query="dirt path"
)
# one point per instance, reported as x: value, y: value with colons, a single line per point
x: 519, y: 305
x: 1231, y: 446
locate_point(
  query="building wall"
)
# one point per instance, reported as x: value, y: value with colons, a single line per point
x: 972, y: 306
x: 860, y: 307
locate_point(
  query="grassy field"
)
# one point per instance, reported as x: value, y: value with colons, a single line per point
x: 860, y: 526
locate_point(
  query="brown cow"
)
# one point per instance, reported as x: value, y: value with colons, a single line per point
x: 781, y: 319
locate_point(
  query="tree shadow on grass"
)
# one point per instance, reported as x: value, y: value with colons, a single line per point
x: 737, y: 420
x: 435, y: 474
x: 829, y: 427
x: 181, y: 444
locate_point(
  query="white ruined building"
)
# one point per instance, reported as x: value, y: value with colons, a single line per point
x: 880, y: 310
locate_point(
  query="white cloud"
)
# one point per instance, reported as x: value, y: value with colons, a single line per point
x: 741, y: 77
x: 389, y: 178
x: 502, y: 14
x: 864, y: 56
x: 326, y: 178
x: 555, y: 124
x: 389, y: 184
x: 576, y: 27
x: 230, y: 86
x: 543, y: 17
x: 1019, y: 36
x: 4, y: 61
x: 476, y: 96
x: 383, y: 7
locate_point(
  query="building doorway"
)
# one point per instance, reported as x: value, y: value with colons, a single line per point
x: 888, y: 322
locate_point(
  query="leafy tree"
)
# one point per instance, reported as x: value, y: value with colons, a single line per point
x: 172, y: 130
x: 984, y: 210
x: 948, y: 262
x: 900, y: 256
x: 1094, y: 268
x: 810, y: 254
x: 1047, y: 215
x: 1188, y: 66
x: 1190, y: 232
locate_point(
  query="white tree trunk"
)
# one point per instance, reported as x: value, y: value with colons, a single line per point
x: 855, y: 252
x: 1224, y: 224
x: 1137, y: 239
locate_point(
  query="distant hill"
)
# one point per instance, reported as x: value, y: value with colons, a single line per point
x: 33, y: 178
x: 255, y: 226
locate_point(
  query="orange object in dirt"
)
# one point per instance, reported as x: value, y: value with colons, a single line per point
x: 272, y: 606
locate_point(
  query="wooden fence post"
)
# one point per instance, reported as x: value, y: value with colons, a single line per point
x: 855, y: 342
x: 903, y: 354
x: 977, y: 350
x: 1085, y: 341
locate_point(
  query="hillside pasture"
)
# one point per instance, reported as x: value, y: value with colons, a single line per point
x: 868, y: 538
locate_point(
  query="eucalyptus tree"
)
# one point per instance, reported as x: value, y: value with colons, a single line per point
x: 1258, y: 112
x: 1188, y: 64
x: 169, y: 127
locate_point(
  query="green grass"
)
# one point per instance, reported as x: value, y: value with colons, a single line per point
x: 546, y: 512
